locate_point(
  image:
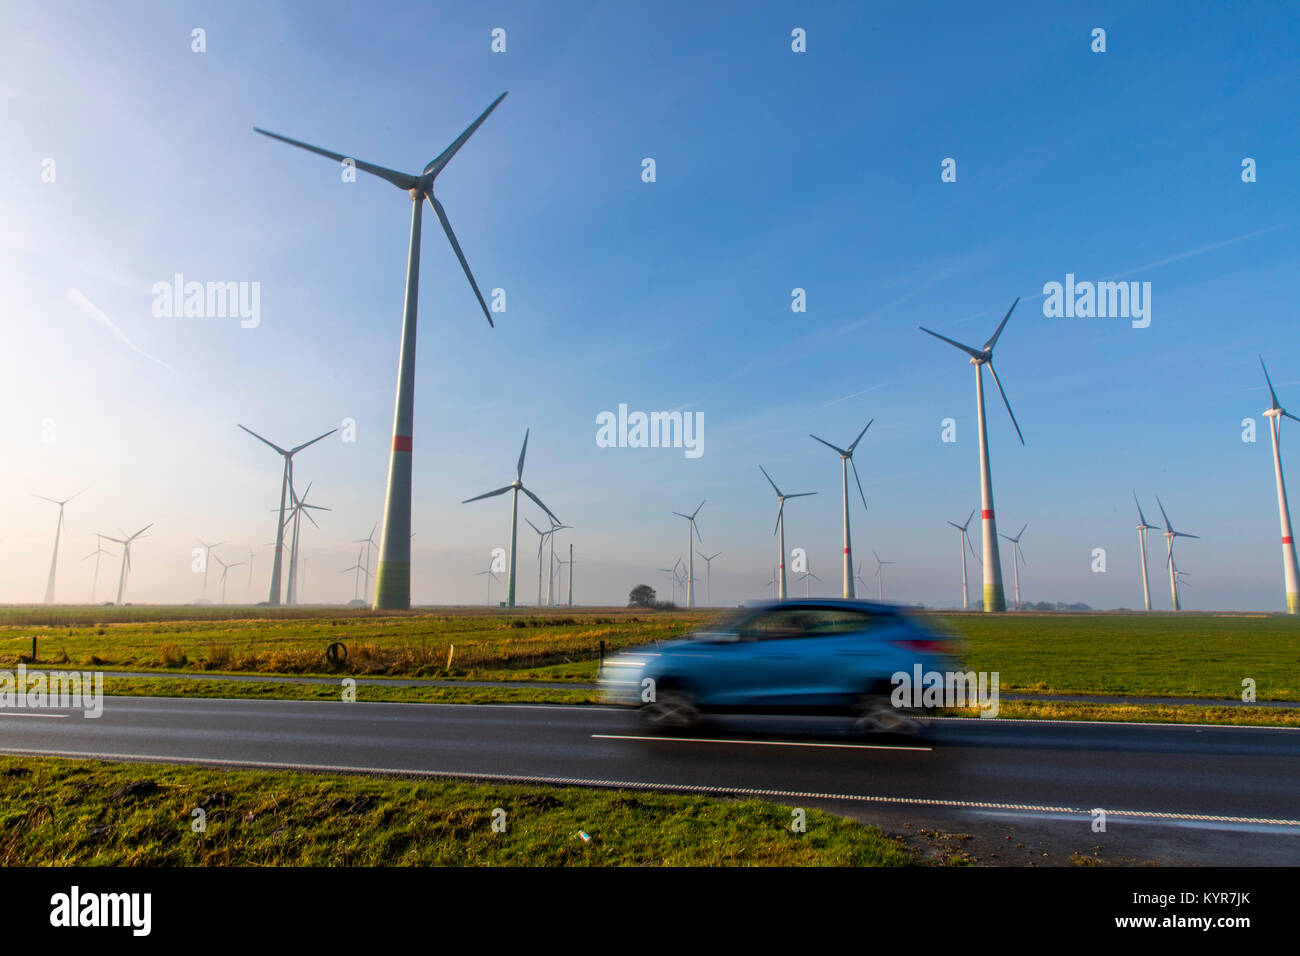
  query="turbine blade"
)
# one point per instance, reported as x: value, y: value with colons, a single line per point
x: 436, y: 165
x: 1163, y: 514
x: 400, y: 180
x: 1272, y: 394
x: 451, y: 237
x: 988, y: 346
x: 263, y: 440
x: 1290, y: 416
x: 519, y: 468
x: 535, y: 528
x: 965, y: 348
x: 697, y: 510
x: 802, y: 494
x: 295, y: 450
x: 770, y: 481
x: 1183, y: 534
x: 835, y: 448
x: 993, y: 372
x: 859, y: 481
x: 860, y: 434
x: 541, y: 505
x: 490, y: 494
x: 779, y: 511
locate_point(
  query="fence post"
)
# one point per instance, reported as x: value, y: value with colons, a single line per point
x: 602, y: 652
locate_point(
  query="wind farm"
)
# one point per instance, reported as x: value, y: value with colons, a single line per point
x: 699, y: 252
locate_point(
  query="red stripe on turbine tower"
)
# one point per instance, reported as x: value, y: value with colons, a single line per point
x: 986, y: 514
x: 401, y: 443
x: 1287, y: 540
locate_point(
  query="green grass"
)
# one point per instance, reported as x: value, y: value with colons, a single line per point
x: 79, y: 812
x: 146, y: 686
x: 1159, y: 655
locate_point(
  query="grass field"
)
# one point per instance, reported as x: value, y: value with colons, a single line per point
x: 66, y: 812
x: 1159, y: 655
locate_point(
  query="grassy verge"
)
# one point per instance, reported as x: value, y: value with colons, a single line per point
x: 66, y: 812
x: 1145, y: 713
x: 145, y: 686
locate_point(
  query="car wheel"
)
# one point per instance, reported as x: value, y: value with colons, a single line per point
x: 671, y: 710
x: 876, y: 714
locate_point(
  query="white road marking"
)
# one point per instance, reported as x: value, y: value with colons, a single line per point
x: 756, y: 743
x: 5, y: 713
x: 1149, y: 815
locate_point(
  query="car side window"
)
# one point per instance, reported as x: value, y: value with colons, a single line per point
x: 796, y: 622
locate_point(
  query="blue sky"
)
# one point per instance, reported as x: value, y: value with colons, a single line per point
x: 775, y: 170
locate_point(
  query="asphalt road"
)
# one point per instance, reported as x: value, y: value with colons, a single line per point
x: 1198, y: 794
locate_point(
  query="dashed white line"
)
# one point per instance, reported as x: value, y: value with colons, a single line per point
x: 755, y: 743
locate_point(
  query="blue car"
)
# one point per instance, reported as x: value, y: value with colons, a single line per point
x: 811, y: 656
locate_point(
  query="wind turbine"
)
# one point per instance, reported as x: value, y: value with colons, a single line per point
x: 692, y: 535
x: 1017, y: 556
x: 1142, y: 529
x: 708, y: 574
x: 207, y: 556
x: 1170, y: 535
x: 780, y: 525
x: 225, y: 569
x: 880, y: 575
x: 673, y: 571
x: 807, y: 587
x: 1291, y: 574
x: 965, y: 541
x: 58, y: 531
x: 356, y: 580
x: 99, y: 549
x: 515, y: 486
x: 125, y: 542
x: 858, y: 577
x: 298, y: 508
x: 492, y: 576
x: 846, y: 461
x: 393, y: 583
x: 369, y: 542
x: 994, y: 597
x: 541, y: 544
x: 274, y: 597
x: 550, y: 568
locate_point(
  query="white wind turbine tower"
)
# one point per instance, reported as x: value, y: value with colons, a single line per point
x: 994, y: 597
x: 207, y: 556
x: 225, y: 569
x: 251, y: 556
x: 58, y: 531
x: 515, y: 486
x: 880, y: 575
x: 99, y: 549
x: 780, y: 526
x: 570, y: 574
x: 1291, y: 574
x: 846, y: 462
x: 393, y: 583
x: 692, y: 535
x: 965, y: 544
x: 1170, y: 535
x: 125, y: 541
x: 276, y: 567
x: 708, y: 575
x: 562, y: 564
x: 1017, y: 556
x: 1142, y: 529
x: 772, y: 582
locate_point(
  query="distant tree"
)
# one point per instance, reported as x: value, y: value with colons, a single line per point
x: 643, y: 595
